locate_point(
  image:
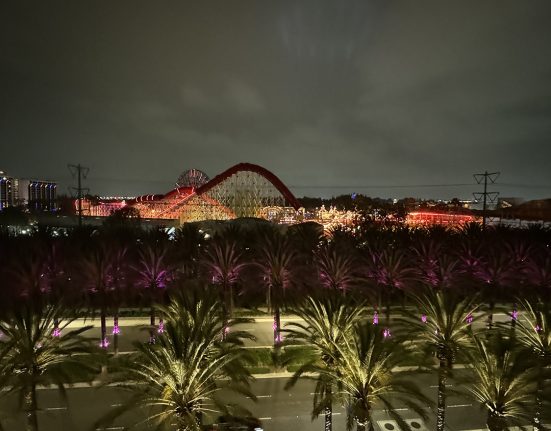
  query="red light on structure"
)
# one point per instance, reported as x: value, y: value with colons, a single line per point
x: 447, y: 219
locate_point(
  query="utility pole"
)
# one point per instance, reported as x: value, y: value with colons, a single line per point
x: 486, y: 196
x: 80, y: 172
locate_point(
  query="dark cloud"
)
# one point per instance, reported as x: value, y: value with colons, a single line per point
x: 383, y: 98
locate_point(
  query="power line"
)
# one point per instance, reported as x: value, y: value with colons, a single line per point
x: 80, y: 172
x: 378, y: 186
x: 485, y: 195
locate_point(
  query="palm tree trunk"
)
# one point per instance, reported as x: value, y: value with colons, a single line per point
x: 269, y: 298
x: 103, y: 329
x: 152, y: 325
x: 328, y: 411
x: 491, y: 314
x: 496, y: 423
x: 539, y: 398
x: 30, y: 408
x: 199, y: 419
x: 277, y: 326
x: 365, y: 426
x: 441, y: 407
x: 232, y: 304
x: 387, y: 313
x: 116, y: 333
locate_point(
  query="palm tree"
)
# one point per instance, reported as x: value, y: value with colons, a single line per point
x: 427, y: 253
x: 96, y: 271
x: 443, y: 326
x: 224, y: 265
x: 32, y: 353
x: 391, y: 271
x: 187, y: 246
x: 538, y: 272
x: 364, y: 366
x: 118, y: 282
x: 327, y: 321
x: 335, y: 267
x: 177, y: 379
x: 153, y: 275
x: 495, y: 273
x: 534, y: 332
x: 501, y: 380
x: 276, y: 258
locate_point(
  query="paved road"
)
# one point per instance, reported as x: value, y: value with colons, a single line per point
x: 136, y: 329
x: 133, y: 329
x: 278, y: 409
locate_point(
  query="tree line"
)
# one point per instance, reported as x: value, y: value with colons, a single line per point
x: 343, y: 284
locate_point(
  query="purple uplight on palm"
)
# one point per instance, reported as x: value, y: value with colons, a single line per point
x: 424, y: 318
x: 538, y: 328
x: 56, y: 332
x: 375, y: 318
x: 469, y: 318
x: 161, y: 327
x: 104, y: 344
x: 116, y: 327
x: 514, y: 315
x: 386, y: 333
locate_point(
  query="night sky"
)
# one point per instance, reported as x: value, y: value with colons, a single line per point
x: 333, y: 97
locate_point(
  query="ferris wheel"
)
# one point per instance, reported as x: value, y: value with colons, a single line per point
x: 192, y: 178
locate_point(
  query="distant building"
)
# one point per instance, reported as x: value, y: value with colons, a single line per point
x: 38, y: 195
x: 35, y: 195
x: 6, y: 190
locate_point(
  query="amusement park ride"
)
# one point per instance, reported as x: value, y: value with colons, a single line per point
x: 244, y: 190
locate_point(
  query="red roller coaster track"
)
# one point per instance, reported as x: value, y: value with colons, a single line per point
x: 277, y: 183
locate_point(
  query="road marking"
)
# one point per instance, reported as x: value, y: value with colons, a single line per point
x: 265, y: 419
x: 55, y: 408
x: 263, y: 396
x: 401, y: 410
x: 460, y: 405
x: 435, y: 386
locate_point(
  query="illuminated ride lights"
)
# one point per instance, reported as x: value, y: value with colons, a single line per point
x: 449, y: 219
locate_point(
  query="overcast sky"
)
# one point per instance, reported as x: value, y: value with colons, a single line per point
x: 333, y: 97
